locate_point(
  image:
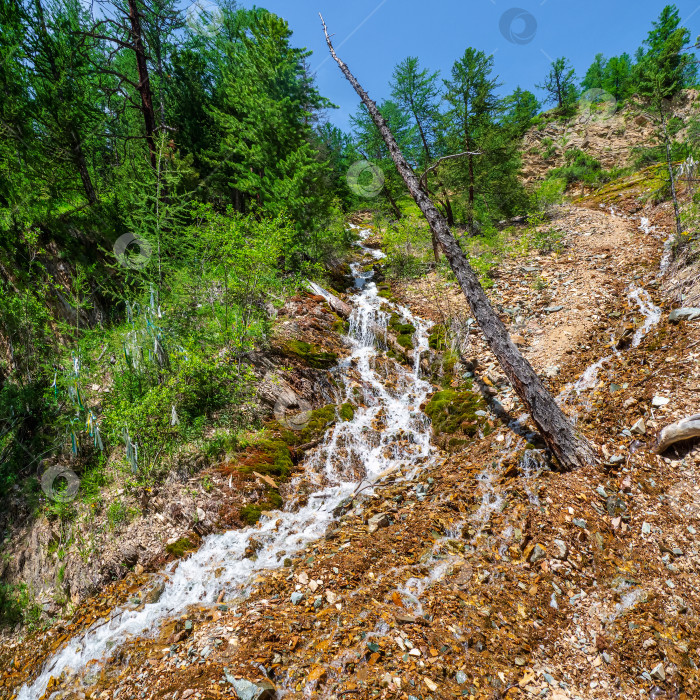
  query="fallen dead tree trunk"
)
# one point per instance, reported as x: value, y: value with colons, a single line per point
x: 676, y: 432
x: 571, y: 449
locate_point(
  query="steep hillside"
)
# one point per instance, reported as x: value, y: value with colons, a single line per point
x: 609, y: 137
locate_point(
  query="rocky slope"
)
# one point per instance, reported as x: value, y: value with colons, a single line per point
x: 610, y: 137
x: 484, y: 573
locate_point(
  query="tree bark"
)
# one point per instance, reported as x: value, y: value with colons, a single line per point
x: 570, y: 449
x: 149, y: 116
x: 671, y: 175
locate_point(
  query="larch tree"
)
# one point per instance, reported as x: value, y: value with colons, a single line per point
x: 471, y: 94
x: 571, y: 449
x: 560, y: 84
x: 417, y: 92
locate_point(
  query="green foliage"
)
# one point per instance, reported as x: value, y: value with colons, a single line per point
x: 521, y: 108
x: 614, y: 75
x: 118, y: 514
x: 407, y: 244
x: 580, y: 167
x: 548, y: 193
x: 17, y: 605
x: 560, y: 84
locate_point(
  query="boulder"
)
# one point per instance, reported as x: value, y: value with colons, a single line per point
x: 377, y: 521
x: 685, y: 314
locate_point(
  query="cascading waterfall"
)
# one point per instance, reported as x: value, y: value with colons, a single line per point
x: 388, y: 434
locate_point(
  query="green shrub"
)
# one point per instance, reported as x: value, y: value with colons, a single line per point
x: 580, y: 167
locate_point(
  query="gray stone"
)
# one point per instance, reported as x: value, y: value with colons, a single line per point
x: 553, y: 309
x: 646, y: 528
x: 246, y: 690
x: 639, y: 428
x: 561, y: 549
x: 377, y: 521
x: 297, y: 597
x: 579, y: 522
x: 684, y: 314
x: 461, y: 677
x: 538, y: 553
x: 615, y: 506
x: 658, y: 672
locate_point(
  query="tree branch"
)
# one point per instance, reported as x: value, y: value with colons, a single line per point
x: 423, y: 177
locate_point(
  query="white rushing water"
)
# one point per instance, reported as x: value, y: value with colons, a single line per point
x: 388, y: 435
x: 652, y: 315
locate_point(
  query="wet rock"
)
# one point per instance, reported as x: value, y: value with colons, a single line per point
x: 154, y: 594
x: 247, y: 690
x: 684, y: 314
x: 659, y: 401
x: 378, y: 521
x: 579, y: 522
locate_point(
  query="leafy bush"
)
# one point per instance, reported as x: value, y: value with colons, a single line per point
x: 408, y: 246
x: 580, y: 167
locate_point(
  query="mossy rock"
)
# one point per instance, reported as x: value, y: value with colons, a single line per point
x: 454, y: 413
x: 319, y: 421
x: 269, y: 457
x: 180, y: 548
x: 312, y: 355
x: 341, y: 326
x: 405, y: 341
x: 250, y: 514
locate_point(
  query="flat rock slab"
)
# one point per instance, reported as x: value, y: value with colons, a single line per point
x: 685, y: 314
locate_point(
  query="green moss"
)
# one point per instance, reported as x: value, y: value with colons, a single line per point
x: 311, y: 354
x: 269, y: 457
x: 274, y: 499
x: 319, y: 421
x: 340, y: 326
x: 455, y: 412
x: 179, y: 548
x: 250, y: 514
x: 347, y: 412
x: 449, y: 361
x: 405, y: 341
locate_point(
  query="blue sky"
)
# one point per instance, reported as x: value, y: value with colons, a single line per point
x: 377, y: 34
